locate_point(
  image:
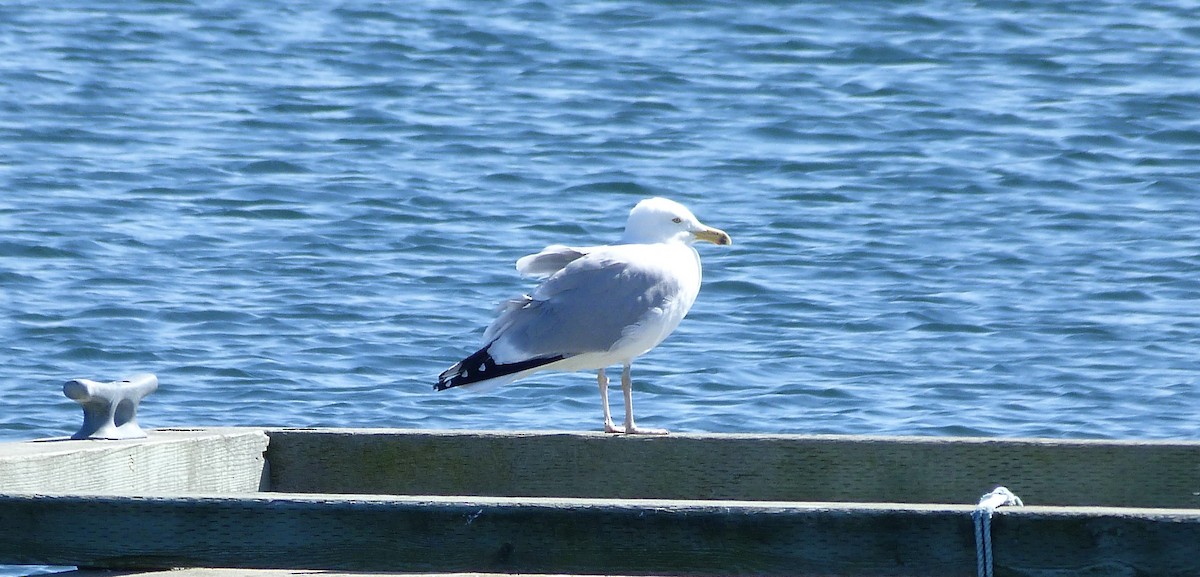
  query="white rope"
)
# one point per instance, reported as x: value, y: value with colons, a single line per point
x: 982, y: 515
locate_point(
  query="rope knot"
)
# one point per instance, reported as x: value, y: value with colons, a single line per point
x: 982, y: 515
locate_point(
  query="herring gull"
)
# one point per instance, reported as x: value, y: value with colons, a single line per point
x: 596, y: 306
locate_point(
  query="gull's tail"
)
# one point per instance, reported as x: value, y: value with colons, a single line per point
x: 481, y: 369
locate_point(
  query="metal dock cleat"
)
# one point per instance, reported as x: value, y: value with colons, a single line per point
x: 110, y: 409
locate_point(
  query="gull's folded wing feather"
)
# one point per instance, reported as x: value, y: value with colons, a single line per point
x: 586, y: 307
x: 551, y: 260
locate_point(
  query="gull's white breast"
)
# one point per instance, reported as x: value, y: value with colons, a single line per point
x: 680, y: 264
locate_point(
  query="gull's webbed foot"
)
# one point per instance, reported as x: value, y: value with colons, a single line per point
x: 635, y: 430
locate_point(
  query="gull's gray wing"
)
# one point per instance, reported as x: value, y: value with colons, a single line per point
x: 586, y: 307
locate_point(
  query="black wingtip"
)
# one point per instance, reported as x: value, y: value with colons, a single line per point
x: 480, y: 366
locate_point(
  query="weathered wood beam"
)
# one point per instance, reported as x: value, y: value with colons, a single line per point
x: 736, y: 466
x: 518, y: 535
x: 234, y: 572
x: 168, y: 461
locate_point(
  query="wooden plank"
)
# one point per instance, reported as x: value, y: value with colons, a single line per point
x: 733, y: 466
x: 227, y: 572
x: 514, y: 535
x: 167, y: 461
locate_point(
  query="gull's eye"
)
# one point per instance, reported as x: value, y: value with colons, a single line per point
x: 677, y: 220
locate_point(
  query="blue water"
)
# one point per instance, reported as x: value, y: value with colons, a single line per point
x: 948, y: 218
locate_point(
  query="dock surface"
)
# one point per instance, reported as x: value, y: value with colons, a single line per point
x: 442, y: 502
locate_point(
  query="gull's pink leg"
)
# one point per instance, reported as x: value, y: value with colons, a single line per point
x: 627, y: 388
x: 609, y: 427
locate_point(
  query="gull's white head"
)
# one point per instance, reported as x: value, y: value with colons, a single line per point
x: 661, y: 220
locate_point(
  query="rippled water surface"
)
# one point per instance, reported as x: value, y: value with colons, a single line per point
x: 948, y: 218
